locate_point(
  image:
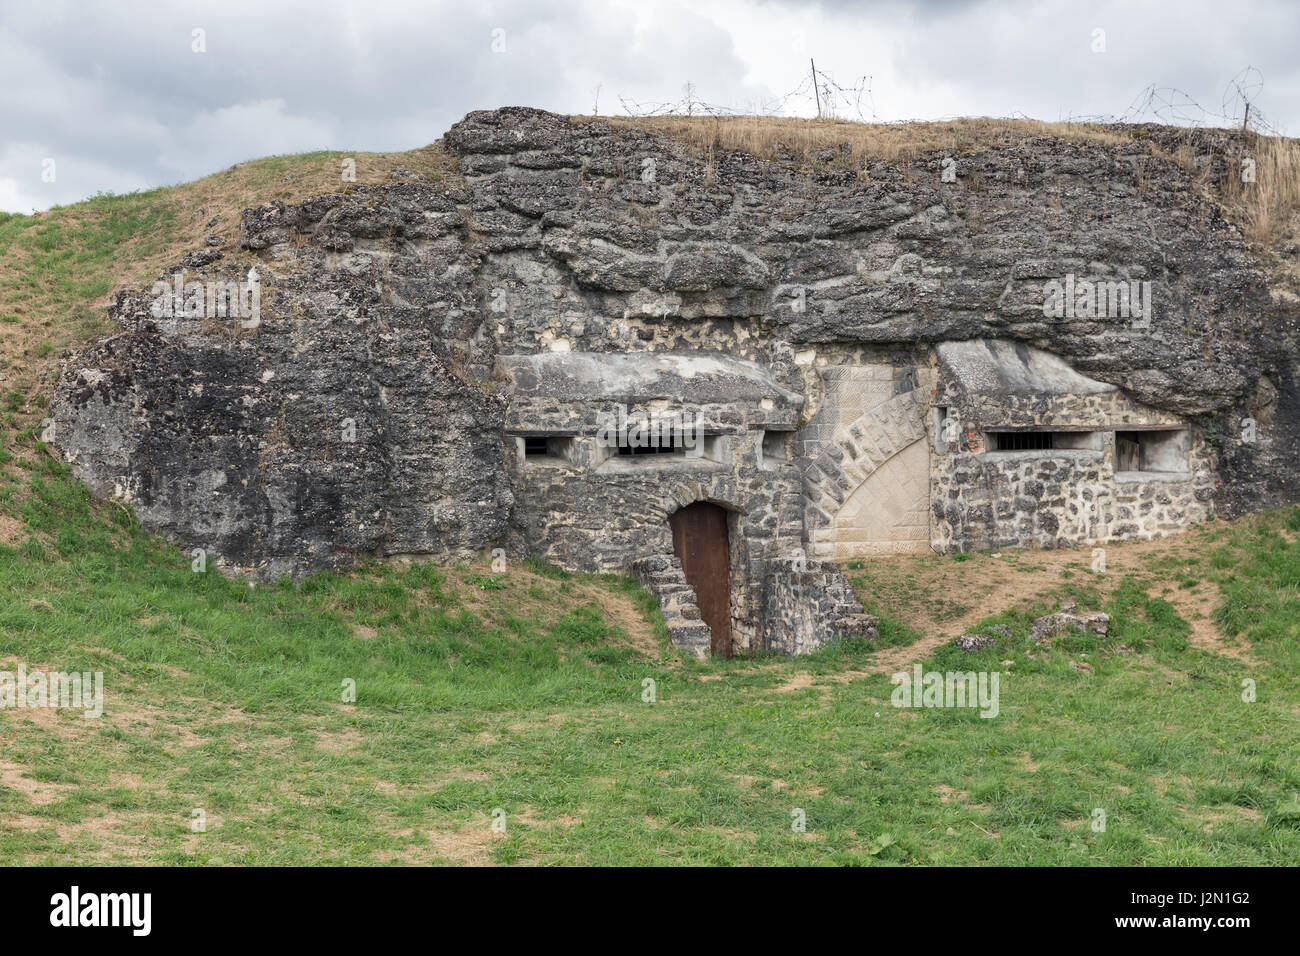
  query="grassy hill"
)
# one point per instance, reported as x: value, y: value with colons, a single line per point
x: 59, y: 267
x: 521, y: 696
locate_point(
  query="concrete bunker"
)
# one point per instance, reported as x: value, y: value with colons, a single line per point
x: 1031, y: 453
x: 677, y: 468
x: 698, y: 473
x: 828, y: 350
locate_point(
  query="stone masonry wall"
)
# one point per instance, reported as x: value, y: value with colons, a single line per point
x: 982, y: 498
x: 807, y: 604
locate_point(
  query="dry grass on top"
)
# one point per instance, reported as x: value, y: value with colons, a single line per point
x: 1269, y: 207
x: 292, y: 179
x: 792, y: 139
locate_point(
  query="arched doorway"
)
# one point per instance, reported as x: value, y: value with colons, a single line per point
x: 700, y: 542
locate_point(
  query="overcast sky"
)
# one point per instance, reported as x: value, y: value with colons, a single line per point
x: 118, y: 94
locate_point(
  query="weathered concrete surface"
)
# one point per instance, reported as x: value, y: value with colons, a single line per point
x: 344, y: 425
x: 985, y: 366
x: 696, y: 379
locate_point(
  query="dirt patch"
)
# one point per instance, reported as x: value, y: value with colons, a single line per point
x: 469, y: 846
x: 948, y: 794
x: 460, y: 773
x: 621, y: 611
x: 1232, y: 814
x: 39, y: 792
x: 340, y: 741
x: 905, y: 587
x: 529, y: 816
x: 894, y: 659
x: 158, y: 724
x: 797, y: 682
x: 108, y: 838
x: 12, y: 531
x: 550, y: 720
x: 1197, y: 610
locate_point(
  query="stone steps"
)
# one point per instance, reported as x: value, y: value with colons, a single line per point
x: 662, y: 576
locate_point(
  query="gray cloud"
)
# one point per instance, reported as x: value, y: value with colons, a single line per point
x: 115, y: 95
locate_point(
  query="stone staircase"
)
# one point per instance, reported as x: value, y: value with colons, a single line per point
x: 662, y: 576
x: 844, y: 611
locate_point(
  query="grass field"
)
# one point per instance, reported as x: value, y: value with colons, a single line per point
x: 521, y: 697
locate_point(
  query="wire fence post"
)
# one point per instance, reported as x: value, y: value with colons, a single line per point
x: 816, y: 92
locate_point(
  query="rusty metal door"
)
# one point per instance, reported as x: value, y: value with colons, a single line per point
x: 700, y: 541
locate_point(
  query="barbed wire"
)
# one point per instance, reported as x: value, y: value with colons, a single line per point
x: 1174, y: 107
x: 1164, y: 104
x: 837, y: 101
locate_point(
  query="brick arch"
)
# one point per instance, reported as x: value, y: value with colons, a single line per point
x: 855, y: 454
x: 721, y: 490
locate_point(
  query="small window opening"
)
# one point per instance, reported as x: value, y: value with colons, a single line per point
x: 947, y: 429
x: 776, y: 445
x: 1023, y: 441
x: 1161, y: 451
x: 659, y: 444
x: 1128, y: 452
x: 548, y: 446
x: 1045, y: 441
x: 661, y: 440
